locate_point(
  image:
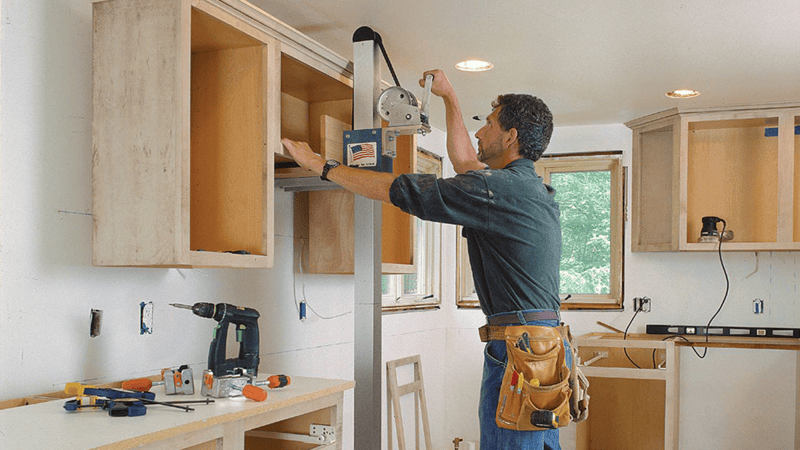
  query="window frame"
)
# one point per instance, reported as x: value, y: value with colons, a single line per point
x: 600, y: 162
x: 561, y: 163
x: 429, y: 240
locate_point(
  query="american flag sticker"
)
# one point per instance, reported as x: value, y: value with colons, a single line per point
x: 362, y: 154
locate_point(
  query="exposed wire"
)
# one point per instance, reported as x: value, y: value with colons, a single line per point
x: 727, y: 289
x: 754, y: 270
x: 303, y: 288
x: 724, y: 298
x: 625, y: 336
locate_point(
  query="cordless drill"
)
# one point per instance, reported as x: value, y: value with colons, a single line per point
x: 246, y: 321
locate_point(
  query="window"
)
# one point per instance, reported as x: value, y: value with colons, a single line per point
x: 420, y: 289
x: 589, y: 189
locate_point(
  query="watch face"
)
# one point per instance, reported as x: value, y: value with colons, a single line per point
x: 330, y: 164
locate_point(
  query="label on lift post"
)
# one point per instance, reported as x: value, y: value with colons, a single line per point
x: 364, y: 149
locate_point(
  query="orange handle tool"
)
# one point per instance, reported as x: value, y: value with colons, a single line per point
x: 278, y: 381
x: 254, y: 393
x: 139, y: 384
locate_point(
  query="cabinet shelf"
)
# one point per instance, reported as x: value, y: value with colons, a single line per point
x: 739, y: 164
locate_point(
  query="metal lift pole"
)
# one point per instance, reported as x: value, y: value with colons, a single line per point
x: 368, y: 214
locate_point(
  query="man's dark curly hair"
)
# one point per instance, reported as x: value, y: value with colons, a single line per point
x: 532, y: 119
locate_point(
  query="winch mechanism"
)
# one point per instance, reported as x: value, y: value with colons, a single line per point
x: 375, y: 148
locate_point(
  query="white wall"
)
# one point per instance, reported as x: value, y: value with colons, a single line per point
x: 48, y: 285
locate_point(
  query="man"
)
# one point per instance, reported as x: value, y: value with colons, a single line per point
x: 510, y: 220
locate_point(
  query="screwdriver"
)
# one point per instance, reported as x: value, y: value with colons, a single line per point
x: 143, y: 384
x: 140, y: 384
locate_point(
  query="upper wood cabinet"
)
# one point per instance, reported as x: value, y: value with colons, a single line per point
x: 741, y: 164
x: 182, y: 150
x: 191, y: 99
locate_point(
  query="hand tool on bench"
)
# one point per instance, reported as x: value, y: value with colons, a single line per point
x: 177, y: 381
x: 240, y: 384
x: 115, y: 397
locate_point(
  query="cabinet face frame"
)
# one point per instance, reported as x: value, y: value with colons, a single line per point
x: 787, y: 192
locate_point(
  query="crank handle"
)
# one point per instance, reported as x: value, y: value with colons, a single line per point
x: 426, y: 97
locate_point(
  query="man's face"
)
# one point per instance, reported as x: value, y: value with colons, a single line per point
x: 490, y: 138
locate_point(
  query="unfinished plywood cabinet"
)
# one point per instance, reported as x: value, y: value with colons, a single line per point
x: 741, y: 164
x: 183, y: 145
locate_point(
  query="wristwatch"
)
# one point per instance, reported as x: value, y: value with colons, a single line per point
x: 329, y: 164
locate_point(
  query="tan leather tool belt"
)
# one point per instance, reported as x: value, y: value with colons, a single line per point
x: 537, y: 384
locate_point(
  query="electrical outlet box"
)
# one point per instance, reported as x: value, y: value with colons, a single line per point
x: 641, y: 304
x: 146, y: 318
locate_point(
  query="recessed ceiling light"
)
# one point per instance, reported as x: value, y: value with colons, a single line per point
x: 474, y: 65
x: 683, y: 93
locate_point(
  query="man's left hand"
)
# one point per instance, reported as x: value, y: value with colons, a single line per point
x: 303, y: 155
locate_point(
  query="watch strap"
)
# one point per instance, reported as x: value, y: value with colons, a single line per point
x: 330, y: 164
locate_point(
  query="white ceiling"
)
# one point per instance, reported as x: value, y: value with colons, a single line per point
x: 592, y: 62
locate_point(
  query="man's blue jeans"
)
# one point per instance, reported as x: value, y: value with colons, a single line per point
x: 492, y: 436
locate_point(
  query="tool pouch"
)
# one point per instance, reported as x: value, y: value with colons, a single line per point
x: 537, y: 384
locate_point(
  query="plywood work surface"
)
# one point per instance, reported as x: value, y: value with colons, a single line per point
x: 48, y: 425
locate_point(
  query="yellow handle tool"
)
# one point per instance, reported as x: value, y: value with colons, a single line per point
x: 76, y: 389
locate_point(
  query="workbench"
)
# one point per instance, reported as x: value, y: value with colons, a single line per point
x: 620, y: 392
x: 224, y: 424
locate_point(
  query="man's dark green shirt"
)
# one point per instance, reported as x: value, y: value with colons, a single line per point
x: 511, y: 222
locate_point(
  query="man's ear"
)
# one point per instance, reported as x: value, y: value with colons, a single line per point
x: 510, y: 137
